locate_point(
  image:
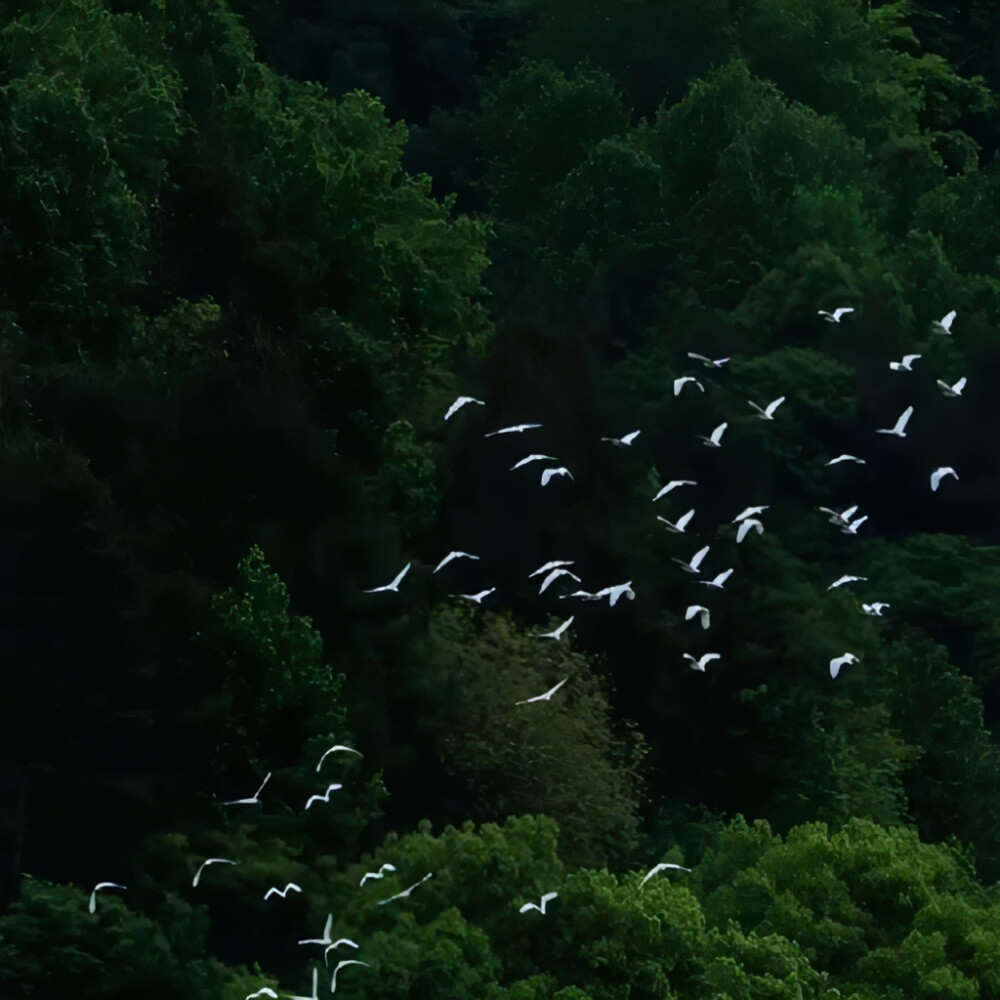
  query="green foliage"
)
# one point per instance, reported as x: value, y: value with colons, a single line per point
x: 562, y: 758
x: 406, y: 481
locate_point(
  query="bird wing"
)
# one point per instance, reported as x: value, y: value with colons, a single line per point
x: 903, y: 419
x: 773, y: 405
x: 630, y: 437
x: 698, y: 557
x: 447, y: 559
x: 722, y: 577
x: 755, y: 406
x: 682, y: 521
x: 837, y: 313
x: 692, y: 611
x: 529, y: 906
x: 718, y: 432
x: 679, y: 384
x: 959, y: 385
x: 399, y: 578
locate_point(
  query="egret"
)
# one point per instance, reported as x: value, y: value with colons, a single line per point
x: 625, y: 440
x: 394, y: 586
x: 943, y: 325
x: 750, y: 512
x: 283, y: 893
x: 679, y: 383
x: 900, y: 427
x: 554, y: 575
x: 662, y: 867
x: 557, y: 633
x: 550, y: 565
x: 325, y: 797
x: 540, y: 905
x: 847, y: 578
x: 453, y: 555
x: 379, y: 874
x: 938, y: 474
x: 515, y: 429
x: 707, y: 362
x: 842, y: 518
x: 875, y: 609
x: 205, y: 864
x: 315, y: 993
x: 406, y: 892
x: 696, y: 560
x: 531, y: 458
x: 836, y: 315
x: 840, y: 661
x: 340, y: 965
x: 672, y: 485
x: 719, y: 581
x: 852, y: 528
x: 459, y: 403
x: 336, y: 944
x: 584, y: 595
x: 337, y: 749
x: 745, y: 526
x: 615, y: 592
x: 714, y: 440
x: 543, y: 697
x: 255, y: 798
x: 264, y: 991
x: 92, y: 905
x: 701, y: 611
x: 477, y: 598
x: 327, y: 933
x: 700, y: 664
x: 680, y: 524
x: 906, y: 365
x: 952, y: 390
x: 845, y: 458
x: 547, y: 474
x: 768, y: 412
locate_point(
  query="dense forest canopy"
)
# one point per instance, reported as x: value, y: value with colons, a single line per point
x: 252, y: 252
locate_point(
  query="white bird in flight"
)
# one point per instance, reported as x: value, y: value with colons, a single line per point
x: 847, y: 578
x: 406, y: 892
x: 531, y: 458
x: 615, y: 592
x: 394, y: 586
x: 938, y: 474
x: 714, y: 440
x: 477, y: 598
x: 842, y: 518
x: 336, y: 944
x: 554, y: 575
x: 672, y: 485
x: 325, y: 797
x: 680, y: 524
x: 943, y: 325
x: 701, y: 611
x: 264, y: 991
x: 557, y: 633
x: 835, y: 316
x: 283, y: 893
x: 92, y: 905
x: 515, y: 429
x: 852, y: 528
x: 952, y: 390
x: 745, y: 526
x: 906, y: 365
x: 540, y: 906
x: 205, y: 864
x: 453, y: 555
x: 337, y: 749
x: 315, y: 993
x: 550, y: 565
x: 750, y: 512
x: 624, y: 441
x: 543, y: 697
x: 846, y: 458
x: 900, y: 427
x: 700, y: 664
x: 679, y: 383
x: 379, y: 874
x: 840, y: 661
x: 251, y: 801
x: 707, y: 362
x: 459, y: 403
x: 327, y: 933
x: 719, y: 581
x: 696, y: 559
x: 547, y: 474
x: 875, y: 609
x: 340, y: 965
x: 662, y: 867
x: 767, y: 413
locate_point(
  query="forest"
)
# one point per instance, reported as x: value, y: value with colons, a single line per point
x: 672, y: 323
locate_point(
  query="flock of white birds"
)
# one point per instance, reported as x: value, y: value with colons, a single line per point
x: 553, y: 570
